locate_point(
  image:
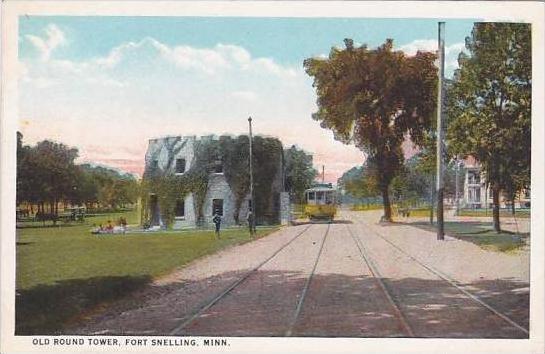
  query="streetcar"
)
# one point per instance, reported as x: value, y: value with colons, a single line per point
x: 320, y: 202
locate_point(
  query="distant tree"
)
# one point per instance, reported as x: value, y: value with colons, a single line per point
x: 299, y: 172
x: 25, y: 185
x: 417, y: 178
x: 375, y: 99
x: 46, y: 174
x: 360, y: 183
x: 106, y: 186
x: 87, y: 188
x: 490, y: 106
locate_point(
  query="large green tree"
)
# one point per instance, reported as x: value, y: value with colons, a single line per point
x: 375, y: 98
x: 490, y: 106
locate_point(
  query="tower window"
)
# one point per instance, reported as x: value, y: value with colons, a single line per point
x: 180, y: 165
x: 218, y: 166
x: 217, y: 206
x: 180, y: 208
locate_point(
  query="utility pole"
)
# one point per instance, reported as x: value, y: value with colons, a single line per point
x: 440, y: 138
x: 323, y: 174
x: 432, y: 198
x: 252, y: 202
x: 457, y: 162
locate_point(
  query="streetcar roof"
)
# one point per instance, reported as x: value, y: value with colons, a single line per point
x: 320, y: 189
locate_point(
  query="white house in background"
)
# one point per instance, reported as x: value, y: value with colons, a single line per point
x: 476, y: 193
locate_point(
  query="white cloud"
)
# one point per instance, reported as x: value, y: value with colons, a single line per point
x: 419, y: 44
x: 54, y: 38
x: 451, y: 52
x: 245, y: 95
x: 144, y: 89
x: 221, y: 57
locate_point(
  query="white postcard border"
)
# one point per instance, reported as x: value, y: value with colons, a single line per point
x: 532, y: 12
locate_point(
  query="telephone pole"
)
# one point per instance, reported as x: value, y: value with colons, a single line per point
x: 440, y: 137
x: 252, y: 202
x: 323, y: 174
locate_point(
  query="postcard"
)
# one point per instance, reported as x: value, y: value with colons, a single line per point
x: 263, y: 177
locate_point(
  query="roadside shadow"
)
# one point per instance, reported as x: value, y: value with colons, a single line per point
x: 47, y: 226
x: 469, y: 230
x: 308, y: 222
x: 45, y: 309
x: 336, y: 305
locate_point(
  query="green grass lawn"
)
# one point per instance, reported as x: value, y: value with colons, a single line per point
x: 519, y: 213
x: 420, y: 212
x: 481, y: 234
x: 363, y: 207
x: 63, y: 271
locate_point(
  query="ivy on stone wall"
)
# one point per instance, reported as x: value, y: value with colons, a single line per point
x: 235, y: 159
x: 233, y: 154
x: 267, y: 164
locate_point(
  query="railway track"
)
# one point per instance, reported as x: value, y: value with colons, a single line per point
x: 179, y: 330
x: 292, y: 318
x: 474, y: 298
x: 380, y: 283
x: 305, y: 289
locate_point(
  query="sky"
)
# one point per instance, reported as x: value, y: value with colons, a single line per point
x: 107, y: 85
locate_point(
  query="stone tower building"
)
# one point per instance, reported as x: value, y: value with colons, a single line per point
x: 176, y: 155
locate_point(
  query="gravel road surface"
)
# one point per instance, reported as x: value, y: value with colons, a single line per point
x: 351, y: 278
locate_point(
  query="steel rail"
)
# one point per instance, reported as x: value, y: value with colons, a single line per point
x: 378, y: 278
x: 455, y: 284
x: 233, y: 285
x: 293, y: 322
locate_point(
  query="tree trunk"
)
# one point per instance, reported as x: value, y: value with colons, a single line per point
x: 386, y: 203
x: 42, y: 204
x: 513, y: 204
x: 496, y: 208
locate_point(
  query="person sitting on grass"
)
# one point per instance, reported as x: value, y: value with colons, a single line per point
x: 98, y: 230
x: 123, y: 224
x: 110, y: 227
x: 217, y: 221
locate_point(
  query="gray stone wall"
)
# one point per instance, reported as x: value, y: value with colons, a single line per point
x: 168, y: 149
x: 189, y: 220
x: 218, y: 188
x: 285, y: 211
x: 161, y: 149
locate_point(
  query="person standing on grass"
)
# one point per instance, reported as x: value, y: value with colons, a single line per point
x: 217, y: 221
x: 251, y: 223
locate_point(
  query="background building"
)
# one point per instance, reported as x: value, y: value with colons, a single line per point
x: 478, y: 195
x: 175, y: 157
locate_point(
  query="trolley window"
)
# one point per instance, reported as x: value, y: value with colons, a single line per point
x: 329, y: 197
x: 310, y: 195
x: 320, y: 197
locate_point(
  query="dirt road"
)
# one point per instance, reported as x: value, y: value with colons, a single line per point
x: 350, y: 278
